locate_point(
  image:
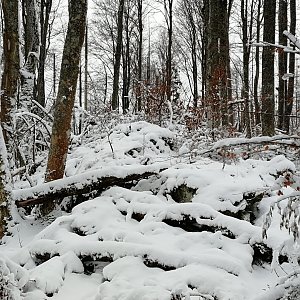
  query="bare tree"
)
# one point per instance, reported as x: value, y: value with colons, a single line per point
x: 267, y: 100
x: 257, y: 65
x: 66, y: 90
x: 218, y: 62
x: 118, y: 53
x: 282, y: 63
x: 247, y: 27
x: 190, y: 29
x: 5, y: 197
x: 11, y: 75
x: 127, y: 55
x: 45, y: 11
x: 291, y: 83
x: 168, y: 7
x: 32, y: 45
x: 140, y: 53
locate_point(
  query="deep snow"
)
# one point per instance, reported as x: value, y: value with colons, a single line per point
x: 133, y: 244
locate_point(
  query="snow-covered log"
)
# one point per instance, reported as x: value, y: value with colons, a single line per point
x: 284, y: 140
x: 94, y: 181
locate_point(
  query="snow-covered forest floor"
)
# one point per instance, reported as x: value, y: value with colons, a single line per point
x: 199, y: 227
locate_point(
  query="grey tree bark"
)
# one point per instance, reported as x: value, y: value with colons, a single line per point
x: 218, y: 67
x: 5, y: 181
x: 32, y: 45
x: 282, y: 63
x: 168, y: 6
x: 291, y: 81
x: 257, y: 66
x: 117, y: 60
x: 44, y: 27
x: 126, y: 55
x: 140, y: 54
x: 267, y: 99
x: 247, y: 27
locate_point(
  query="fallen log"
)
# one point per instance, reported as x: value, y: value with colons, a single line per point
x: 94, y: 181
x: 282, y: 140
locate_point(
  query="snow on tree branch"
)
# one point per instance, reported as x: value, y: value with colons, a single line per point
x: 292, y: 38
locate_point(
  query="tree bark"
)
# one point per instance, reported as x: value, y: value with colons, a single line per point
x: 257, y: 66
x: 169, y: 15
x: 218, y: 76
x: 126, y: 61
x: 140, y: 54
x: 204, y: 50
x: 32, y: 45
x: 246, y: 36
x: 282, y: 64
x: 66, y: 90
x: 268, y: 101
x: 118, y: 54
x: 44, y: 26
x: 291, y: 82
x: 5, y: 181
x: 11, y: 75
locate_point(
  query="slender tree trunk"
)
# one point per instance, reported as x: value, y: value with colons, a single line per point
x: 268, y: 101
x: 80, y: 99
x: 32, y: 44
x: 257, y: 67
x: 247, y: 32
x: 5, y: 182
x: 86, y: 51
x: 204, y: 37
x: 126, y: 63
x: 282, y: 63
x: 169, y: 11
x: 66, y: 90
x: 44, y: 24
x: 194, y: 64
x: 118, y: 54
x: 291, y: 81
x: 140, y: 54
x: 227, y: 115
x: 54, y: 75
x: 11, y: 75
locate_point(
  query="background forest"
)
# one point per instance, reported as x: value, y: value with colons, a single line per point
x: 149, y: 149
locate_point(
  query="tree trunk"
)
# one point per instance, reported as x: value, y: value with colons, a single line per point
x: 90, y: 182
x: 32, y: 43
x: 218, y: 77
x: 257, y: 66
x: 268, y: 103
x: 204, y: 38
x: 291, y: 82
x: 5, y: 181
x: 44, y: 24
x: 282, y: 64
x: 126, y: 62
x: 140, y: 54
x: 86, y: 56
x: 118, y: 54
x: 169, y: 12
x: 66, y: 90
x: 247, y: 34
x: 11, y: 75
x: 193, y: 36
